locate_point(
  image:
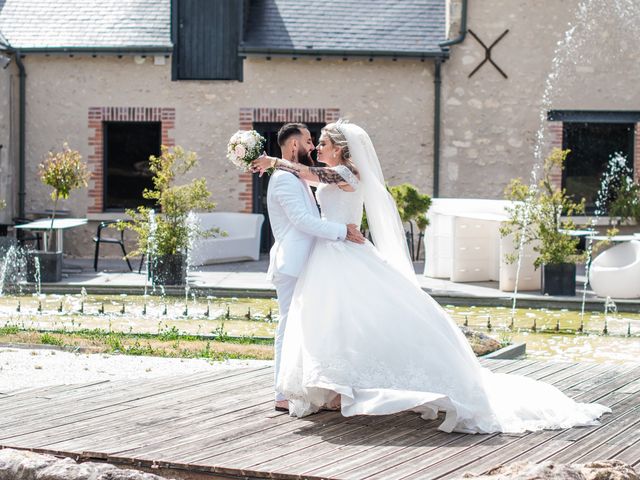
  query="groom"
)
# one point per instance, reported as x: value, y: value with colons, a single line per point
x: 295, y: 223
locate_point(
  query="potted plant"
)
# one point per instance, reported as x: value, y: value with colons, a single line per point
x: 541, y: 214
x: 63, y: 171
x: 165, y: 237
x: 626, y: 206
x: 618, y: 195
x: 412, y: 207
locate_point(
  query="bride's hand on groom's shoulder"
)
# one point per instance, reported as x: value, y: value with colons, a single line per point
x: 353, y: 234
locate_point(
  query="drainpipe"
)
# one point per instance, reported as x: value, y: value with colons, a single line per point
x: 21, y: 134
x: 437, y: 97
x: 21, y: 124
x: 436, y: 127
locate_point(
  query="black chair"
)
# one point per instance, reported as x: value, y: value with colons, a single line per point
x: 26, y: 236
x: 98, y: 239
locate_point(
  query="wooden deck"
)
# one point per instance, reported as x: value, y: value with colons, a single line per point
x: 223, y: 425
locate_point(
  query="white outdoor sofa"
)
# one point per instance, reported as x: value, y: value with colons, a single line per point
x: 241, y: 243
x: 463, y: 243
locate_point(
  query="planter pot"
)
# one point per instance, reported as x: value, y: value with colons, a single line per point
x: 559, y: 279
x: 170, y: 270
x: 50, y: 266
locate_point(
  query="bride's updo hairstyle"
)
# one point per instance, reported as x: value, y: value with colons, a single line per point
x: 334, y: 134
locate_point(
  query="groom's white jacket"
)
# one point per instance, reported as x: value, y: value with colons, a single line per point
x: 295, y: 222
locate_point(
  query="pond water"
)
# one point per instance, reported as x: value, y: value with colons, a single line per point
x: 549, y: 334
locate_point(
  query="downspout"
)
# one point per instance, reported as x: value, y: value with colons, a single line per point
x: 21, y: 134
x: 436, y: 127
x: 438, y: 95
x: 21, y: 124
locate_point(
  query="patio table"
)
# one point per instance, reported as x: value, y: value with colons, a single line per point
x: 59, y: 226
x: 617, y: 238
x: 578, y: 233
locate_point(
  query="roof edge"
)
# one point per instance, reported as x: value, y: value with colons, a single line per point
x: 129, y: 50
x: 264, y: 51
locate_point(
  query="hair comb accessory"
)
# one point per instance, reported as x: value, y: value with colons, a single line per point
x: 340, y: 123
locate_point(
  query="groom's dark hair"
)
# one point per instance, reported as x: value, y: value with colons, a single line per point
x: 288, y: 130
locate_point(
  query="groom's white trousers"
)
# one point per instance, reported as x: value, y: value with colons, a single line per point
x: 285, y: 285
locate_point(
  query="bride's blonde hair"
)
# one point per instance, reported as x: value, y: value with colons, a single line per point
x: 333, y: 132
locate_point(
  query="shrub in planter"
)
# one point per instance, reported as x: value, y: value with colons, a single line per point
x: 542, y: 213
x: 619, y: 192
x: 63, y: 171
x: 412, y: 207
x: 165, y: 237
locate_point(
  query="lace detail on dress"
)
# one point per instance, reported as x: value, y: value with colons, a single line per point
x: 347, y: 175
x: 339, y: 205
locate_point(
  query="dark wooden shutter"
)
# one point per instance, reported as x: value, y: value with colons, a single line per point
x: 206, y: 37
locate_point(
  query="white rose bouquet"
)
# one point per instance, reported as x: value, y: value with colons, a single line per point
x: 244, y: 147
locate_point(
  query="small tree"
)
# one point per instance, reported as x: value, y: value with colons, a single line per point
x: 626, y: 205
x: 538, y: 215
x: 63, y: 171
x: 172, y: 230
x: 412, y: 205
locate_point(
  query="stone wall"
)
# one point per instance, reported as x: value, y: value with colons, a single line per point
x: 390, y: 99
x: 490, y: 123
x: 6, y: 154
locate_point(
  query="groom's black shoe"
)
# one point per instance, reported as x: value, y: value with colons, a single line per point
x: 282, y: 405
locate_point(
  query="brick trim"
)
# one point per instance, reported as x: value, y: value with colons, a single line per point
x: 96, y: 117
x: 555, y: 132
x: 249, y: 116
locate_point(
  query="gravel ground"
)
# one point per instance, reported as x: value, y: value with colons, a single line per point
x: 22, y: 368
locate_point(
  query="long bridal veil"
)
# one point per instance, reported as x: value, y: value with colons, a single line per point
x: 383, y: 218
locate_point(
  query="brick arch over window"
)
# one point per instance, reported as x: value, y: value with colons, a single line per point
x: 249, y: 116
x: 95, y: 160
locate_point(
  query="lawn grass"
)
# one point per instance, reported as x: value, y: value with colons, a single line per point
x: 168, y: 343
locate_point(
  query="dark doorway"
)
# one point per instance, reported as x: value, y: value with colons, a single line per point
x: 260, y: 184
x: 127, y: 147
x: 592, y: 145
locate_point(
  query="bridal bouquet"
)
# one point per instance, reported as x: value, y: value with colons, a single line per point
x: 244, y: 147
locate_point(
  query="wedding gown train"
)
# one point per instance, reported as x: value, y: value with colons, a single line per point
x: 361, y: 329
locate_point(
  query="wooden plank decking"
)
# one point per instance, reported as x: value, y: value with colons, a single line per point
x: 224, y: 425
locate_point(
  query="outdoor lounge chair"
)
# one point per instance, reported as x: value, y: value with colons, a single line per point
x: 241, y: 241
x: 616, y: 272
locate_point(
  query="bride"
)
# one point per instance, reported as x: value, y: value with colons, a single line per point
x: 362, y: 335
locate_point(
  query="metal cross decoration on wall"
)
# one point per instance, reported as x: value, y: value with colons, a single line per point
x: 487, y: 53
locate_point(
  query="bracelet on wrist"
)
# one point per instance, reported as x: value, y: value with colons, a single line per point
x: 274, y: 162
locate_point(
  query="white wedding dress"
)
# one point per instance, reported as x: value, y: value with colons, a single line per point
x: 361, y: 328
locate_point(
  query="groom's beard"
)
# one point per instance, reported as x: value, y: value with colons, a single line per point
x: 306, y: 158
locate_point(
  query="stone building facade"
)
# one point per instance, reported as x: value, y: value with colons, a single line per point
x: 573, y: 57
x: 489, y: 122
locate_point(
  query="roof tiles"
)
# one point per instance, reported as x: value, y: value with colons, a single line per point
x: 56, y: 24
x: 340, y: 25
